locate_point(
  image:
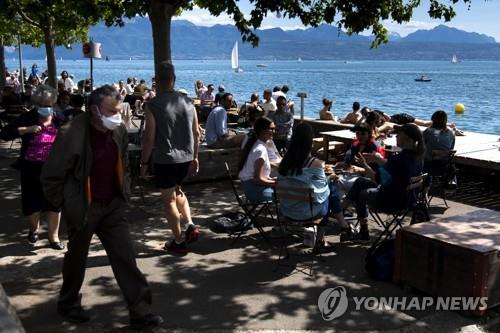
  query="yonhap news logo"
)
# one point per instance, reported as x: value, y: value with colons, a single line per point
x: 333, y: 303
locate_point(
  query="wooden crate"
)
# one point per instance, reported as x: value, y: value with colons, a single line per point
x: 456, y: 256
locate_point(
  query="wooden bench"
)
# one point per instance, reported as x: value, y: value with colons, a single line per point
x: 212, y: 164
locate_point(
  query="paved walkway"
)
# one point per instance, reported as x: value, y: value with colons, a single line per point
x: 215, y: 287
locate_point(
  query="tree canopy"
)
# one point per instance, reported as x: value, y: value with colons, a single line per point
x: 53, y: 22
x: 66, y: 21
x: 354, y: 16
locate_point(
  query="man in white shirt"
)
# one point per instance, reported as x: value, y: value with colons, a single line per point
x: 268, y: 104
x: 66, y: 81
x: 128, y: 86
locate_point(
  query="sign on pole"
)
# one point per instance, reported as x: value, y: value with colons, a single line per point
x: 92, y: 50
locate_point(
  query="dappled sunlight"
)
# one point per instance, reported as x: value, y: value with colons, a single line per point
x: 217, y: 285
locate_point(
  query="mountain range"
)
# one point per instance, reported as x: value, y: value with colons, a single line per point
x: 190, y: 41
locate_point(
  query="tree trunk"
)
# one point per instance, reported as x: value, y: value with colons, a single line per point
x: 50, y: 50
x: 160, y: 15
x: 2, y: 64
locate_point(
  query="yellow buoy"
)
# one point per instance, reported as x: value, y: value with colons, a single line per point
x: 459, y: 108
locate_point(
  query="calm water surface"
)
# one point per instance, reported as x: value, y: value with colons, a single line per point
x: 386, y: 85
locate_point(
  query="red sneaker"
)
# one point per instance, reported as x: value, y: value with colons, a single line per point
x: 192, y: 233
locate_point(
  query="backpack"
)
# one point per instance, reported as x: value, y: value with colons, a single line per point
x: 379, y: 262
x: 231, y: 222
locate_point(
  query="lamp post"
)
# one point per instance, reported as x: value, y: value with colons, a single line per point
x: 302, y: 95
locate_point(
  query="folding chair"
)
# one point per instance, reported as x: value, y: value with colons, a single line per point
x: 296, y: 193
x: 252, y: 211
x: 441, y: 170
x: 415, y: 203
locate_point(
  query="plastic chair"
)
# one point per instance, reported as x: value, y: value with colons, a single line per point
x: 252, y: 211
x: 416, y: 204
x: 303, y: 194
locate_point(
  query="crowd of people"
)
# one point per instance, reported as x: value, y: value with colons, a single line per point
x: 383, y: 121
x: 370, y: 177
x: 73, y: 160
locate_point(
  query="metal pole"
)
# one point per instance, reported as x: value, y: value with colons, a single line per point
x: 302, y: 95
x: 20, y: 62
x: 91, y: 74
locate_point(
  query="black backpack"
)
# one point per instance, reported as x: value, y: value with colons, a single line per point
x: 379, y: 262
x: 230, y: 223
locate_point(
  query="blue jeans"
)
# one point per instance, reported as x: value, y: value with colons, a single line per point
x: 257, y: 193
x: 364, y: 193
x: 332, y: 205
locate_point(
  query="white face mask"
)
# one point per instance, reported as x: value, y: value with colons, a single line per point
x: 111, y: 122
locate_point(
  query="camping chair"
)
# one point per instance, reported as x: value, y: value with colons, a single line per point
x: 287, y: 225
x: 252, y: 211
x: 416, y: 204
x: 442, y: 171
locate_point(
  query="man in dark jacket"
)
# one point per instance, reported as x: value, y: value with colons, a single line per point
x: 86, y: 176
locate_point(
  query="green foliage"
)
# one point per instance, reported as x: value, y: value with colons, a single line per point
x: 68, y: 21
x: 11, y: 26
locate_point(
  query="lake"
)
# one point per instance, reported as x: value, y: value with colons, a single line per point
x: 386, y: 85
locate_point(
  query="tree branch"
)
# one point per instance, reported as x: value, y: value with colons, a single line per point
x: 25, y: 17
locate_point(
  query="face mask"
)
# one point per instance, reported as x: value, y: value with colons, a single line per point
x: 45, y: 111
x: 111, y: 122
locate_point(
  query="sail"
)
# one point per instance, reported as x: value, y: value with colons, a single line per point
x: 454, y: 59
x: 235, y: 64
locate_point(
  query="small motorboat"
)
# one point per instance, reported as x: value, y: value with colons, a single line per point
x: 261, y: 65
x: 423, y: 78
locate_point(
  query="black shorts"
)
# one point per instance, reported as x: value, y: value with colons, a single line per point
x: 170, y: 175
x: 402, y: 118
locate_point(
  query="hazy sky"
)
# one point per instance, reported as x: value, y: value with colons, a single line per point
x: 482, y: 17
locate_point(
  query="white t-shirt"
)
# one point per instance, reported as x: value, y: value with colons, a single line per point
x: 258, y: 150
x: 268, y: 106
x: 272, y: 151
x: 277, y: 94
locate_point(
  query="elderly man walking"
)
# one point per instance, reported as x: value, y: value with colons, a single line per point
x: 86, y: 175
x: 172, y: 129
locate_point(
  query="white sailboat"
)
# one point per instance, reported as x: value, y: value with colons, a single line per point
x: 235, y: 62
x: 299, y: 59
x: 454, y: 59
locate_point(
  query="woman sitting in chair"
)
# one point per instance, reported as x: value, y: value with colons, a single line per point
x: 299, y: 169
x: 437, y: 137
x: 254, y: 165
x: 364, y: 143
x: 385, y: 189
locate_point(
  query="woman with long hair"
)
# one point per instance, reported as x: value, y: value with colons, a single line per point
x: 385, y: 188
x: 438, y: 136
x: 254, y: 165
x: 199, y: 88
x: 37, y: 130
x: 299, y: 168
